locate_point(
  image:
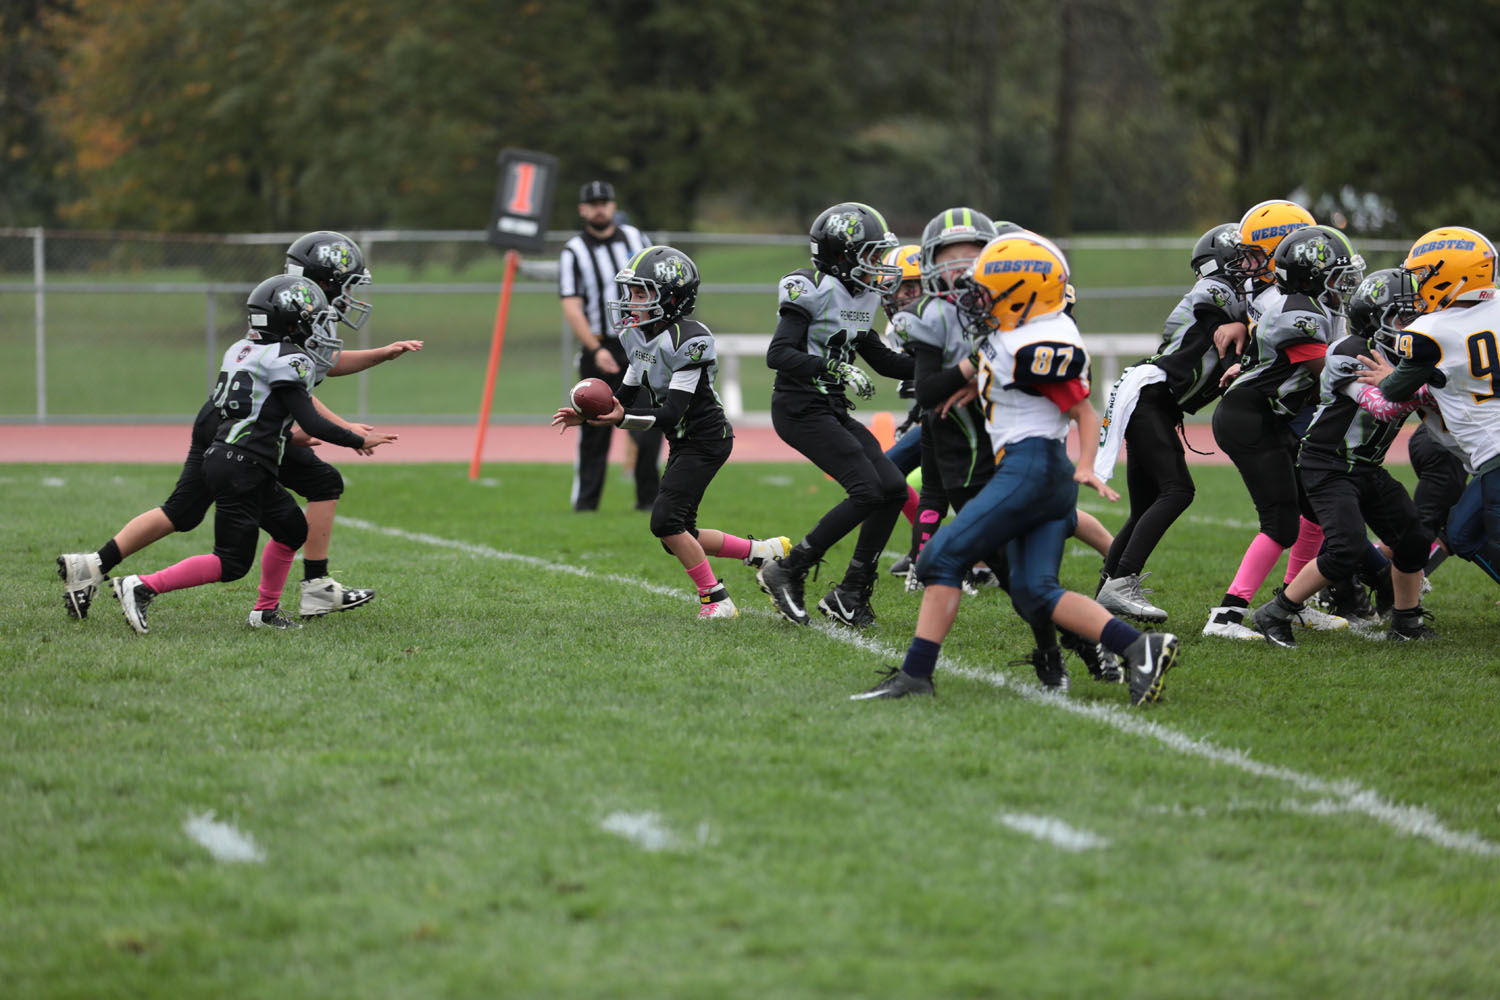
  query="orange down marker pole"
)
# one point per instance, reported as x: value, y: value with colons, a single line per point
x: 512, y: 259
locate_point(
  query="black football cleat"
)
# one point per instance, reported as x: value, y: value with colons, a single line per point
x: 785, y: 586
x: 1103, y: 665
x: 1148, y: 659
x: 897, y: 684
x: 272, y: 618
x: 1049, y: 668
x: 1410, y: 626
x: 1278, y: 631
x: 848, y: 607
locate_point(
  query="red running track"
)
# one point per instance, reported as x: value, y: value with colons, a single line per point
x: 168, y: 443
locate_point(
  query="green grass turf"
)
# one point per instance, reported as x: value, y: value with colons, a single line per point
x: 429, y: 776
x: 144, y: 354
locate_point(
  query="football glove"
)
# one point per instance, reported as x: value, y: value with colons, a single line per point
x: 852, y: 378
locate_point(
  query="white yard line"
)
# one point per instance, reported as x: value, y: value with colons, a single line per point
x: 1054, y: 831
x: 1348, y: 796
x: 223, y: 841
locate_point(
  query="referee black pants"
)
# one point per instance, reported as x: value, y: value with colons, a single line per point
x: 1156, y: 473
x: 592, y: 465
x: 845, y: 449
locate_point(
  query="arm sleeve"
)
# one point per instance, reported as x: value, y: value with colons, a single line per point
x: 1373, y: 402
x: 664, y: 416
x: 788, y: 351
x: 300, y: 405
x: 1064, y: 394
x: 934, y: 382
x: 891, y: 364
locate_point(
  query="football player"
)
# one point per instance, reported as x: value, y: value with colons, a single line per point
x: 906, y: 453
x: 1452, y: 348
x: 1147, y: 405
x: 1292, y: 321
x: 1340, y: 464
x: 671, y: 356
x: 336, y: 265
x: 1033, y: 377
x: 264, y: 384
x: 827, y: 316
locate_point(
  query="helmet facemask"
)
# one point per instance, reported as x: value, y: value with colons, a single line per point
x: 1342, y: 281
x: 352, y: 311
x: 870, y: 271
x: 322, y: 341
x: 646, y: 313
x: 941, y: 279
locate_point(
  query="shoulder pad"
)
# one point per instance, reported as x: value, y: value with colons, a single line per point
x: 1419, y: 347
x: 290, y: 364
x: 802, y: 289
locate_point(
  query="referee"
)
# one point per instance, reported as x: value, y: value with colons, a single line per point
x: 586, y: 280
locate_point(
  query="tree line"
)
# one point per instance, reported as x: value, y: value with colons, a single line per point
x: 1132, y: 115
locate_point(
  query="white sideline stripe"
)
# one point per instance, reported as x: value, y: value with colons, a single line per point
x: 645, y: 829
x: 223, y: 841
x: 1410, y: 821
x: 1054, y: 831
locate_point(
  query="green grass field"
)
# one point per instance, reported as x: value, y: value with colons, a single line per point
x: 525, y: 770
x: 144, y: 354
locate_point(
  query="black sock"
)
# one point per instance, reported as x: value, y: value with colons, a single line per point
x: 312, y: 569
x: 109, y: 556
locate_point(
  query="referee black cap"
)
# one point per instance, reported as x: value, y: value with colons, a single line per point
x: 596, y: 191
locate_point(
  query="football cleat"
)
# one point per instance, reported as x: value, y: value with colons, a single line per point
x: 81, y: 577
x: 134, y: 597
x: 1049, y: 668
x: 902, y: 567
x: 326, y: 595
x: 978, y: 578
x: 1319, y: 621
x: 1408, y: 626
x: 716, y: 604
x: 1103, y: 665
x: 1124, y: 596
x: 272, y: 618
x: 786, y: 589
x: 763, y: 550
x: 1348, y: 600
x: 897, y: 684
x: 1278, y: 631
x: 1148, y: 659
x: 848, y: 607
x: 1228, y: 623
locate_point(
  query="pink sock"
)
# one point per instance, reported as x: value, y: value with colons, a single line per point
x: 929, y: 517
x: 194, y: 571
x: 734, y: 547
x: 910, y: 508
x: 1260, y: 559
x: 275, y: 564
x: 1304, y: 550
x: 703, y: 575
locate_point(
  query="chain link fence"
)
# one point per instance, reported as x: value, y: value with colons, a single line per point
x: 130, y: 327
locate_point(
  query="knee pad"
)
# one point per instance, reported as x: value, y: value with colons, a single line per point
x: 234, y: 565
x: 665, y: 521
x: 326, y: 483
x: 293, y: 536
x: 1281, y: 527
x: 184, y: 517
x: 1035, y: 599
x: 1409, y: 554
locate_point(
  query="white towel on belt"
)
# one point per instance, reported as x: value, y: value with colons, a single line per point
x: 1122, y: 399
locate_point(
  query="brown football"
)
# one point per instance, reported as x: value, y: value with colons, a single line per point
x: 592, y: 397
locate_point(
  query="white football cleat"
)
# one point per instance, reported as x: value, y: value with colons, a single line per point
x: 1318, y: 621
x: 1124, y: 596
x: 134, y: 597
x: 326, y: 595
x: 1228, y: 623
x: 763, y: 550
x: 722, y: 608
x: 81, y: 577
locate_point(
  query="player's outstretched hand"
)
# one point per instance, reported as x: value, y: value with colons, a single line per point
x: 566, y: 417
x: 364, y: 430
x: 375, y: 439
x: 1084, y: 476
x: 397, y: 348
x: 1376, y: 369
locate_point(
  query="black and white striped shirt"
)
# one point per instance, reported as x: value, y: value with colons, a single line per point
x: 587, y: 268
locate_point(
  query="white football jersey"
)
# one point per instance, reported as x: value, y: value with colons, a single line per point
x: 1463, y: 342
x: 1013, y: 364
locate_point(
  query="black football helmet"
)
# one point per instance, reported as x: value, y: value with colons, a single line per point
x: 1319, y: 262
x: 1215, y: 251
x: 955, y: 225
x: 670, y: 280
x: 850, y: 241
x: 292, y: 308
x: 335, y: 264
x: 1382, y: 305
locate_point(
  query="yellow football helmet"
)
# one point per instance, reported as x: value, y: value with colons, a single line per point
x: 908, y: 257
x: 1261, y: 231
x: 1451, y: 264
x: 1015, y: 279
